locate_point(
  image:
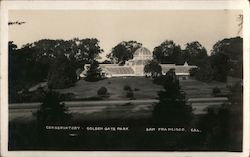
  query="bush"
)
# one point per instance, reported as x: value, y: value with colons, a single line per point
x: 136, y: 89
x: 94, y: 72
x: 193, y: 72
x: 62, y: 74
x: 127, y: 88
x: 216, y: 90
x: 52, y: 110
x: 130, y: 95
x: 102, y: 91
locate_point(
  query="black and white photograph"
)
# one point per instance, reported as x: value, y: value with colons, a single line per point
x: 127, y: 80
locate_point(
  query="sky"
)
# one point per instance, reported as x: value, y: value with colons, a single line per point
x: 149, y: 27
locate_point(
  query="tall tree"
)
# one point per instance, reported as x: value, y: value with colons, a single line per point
x: 195, y: 53
x: 168, y: 52
x: 62, y: 74
x: 172, y: 109
x: 52, y: 110
x: 88, y: 49
x: 227, y: 58
x: 123, y: 51
x: 93, y: 72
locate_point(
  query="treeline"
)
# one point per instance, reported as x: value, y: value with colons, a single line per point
x: 226, y: 57
x: 60, y: 62
x: 54, y: 61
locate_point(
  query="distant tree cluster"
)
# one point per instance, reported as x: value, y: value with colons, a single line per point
x: 55, y: 61
x: 226, y: 60
x: 170, y: 52
x: 123, y: 51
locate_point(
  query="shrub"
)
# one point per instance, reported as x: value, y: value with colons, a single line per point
x: 136, y: 89
x: 94, y: 72
x: 193, y: 72
x: 102, y: 91
x: 216, y: 90
x: 61, y: 74
x: 127, y: 88
x: 52, y: 110
x: 130, y: 95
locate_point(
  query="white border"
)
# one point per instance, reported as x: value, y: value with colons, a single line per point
x: 118, y: 5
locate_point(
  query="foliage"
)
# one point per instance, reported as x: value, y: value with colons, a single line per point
x: 215, y: 127
x: 52, y: 110
x: 127, y: 88
x: 168, y: 52
x: 153, y: 68
x: 163, y: 79
x: 79, y: 51
x: 62, y: 74
x: 94, y: 72
x: 227, y: 58
x: 172, y: 109
x: 194, y: 53
x: 220, y: 66
x: 102, y: 91
x: 136, y: 89
x: 123, y: 51
x: 33, y: 62
x: 130, y: 95
x: 216, y: 90
x: 203, y: 73
x: 23, y: 70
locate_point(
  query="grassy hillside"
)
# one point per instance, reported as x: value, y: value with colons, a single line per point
x: 142, y: 87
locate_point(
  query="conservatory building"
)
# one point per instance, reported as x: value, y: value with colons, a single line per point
x: 135, y: 67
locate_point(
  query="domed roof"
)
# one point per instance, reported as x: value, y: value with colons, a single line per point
x: 142, y: 52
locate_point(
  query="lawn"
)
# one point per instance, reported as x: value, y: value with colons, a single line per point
x: 25, y: 134
x: 197, y: 89
x: 143, y: 88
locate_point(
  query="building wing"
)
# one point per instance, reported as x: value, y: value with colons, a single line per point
x: 179, y: 69
x: 116, y: 70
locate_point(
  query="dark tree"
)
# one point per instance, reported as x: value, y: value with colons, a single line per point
x: 172, y: 109
x: 220, y: 66
x: 88, y: 49
x: 227, y: 58
x: 204, y: 72
x: 123, y: 51
x: 79, y: 51
x: 62, y: 74
x: 94, y: 72
x: 168, y: 52
x: 215, y: 127
x: 195, y: 53
x: 52, y: 110
x: 153, y: 69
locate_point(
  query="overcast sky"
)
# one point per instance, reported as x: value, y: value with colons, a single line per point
x: 111, y: 27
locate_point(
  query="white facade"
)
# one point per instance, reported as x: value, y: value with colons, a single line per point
x: 135, y: 67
